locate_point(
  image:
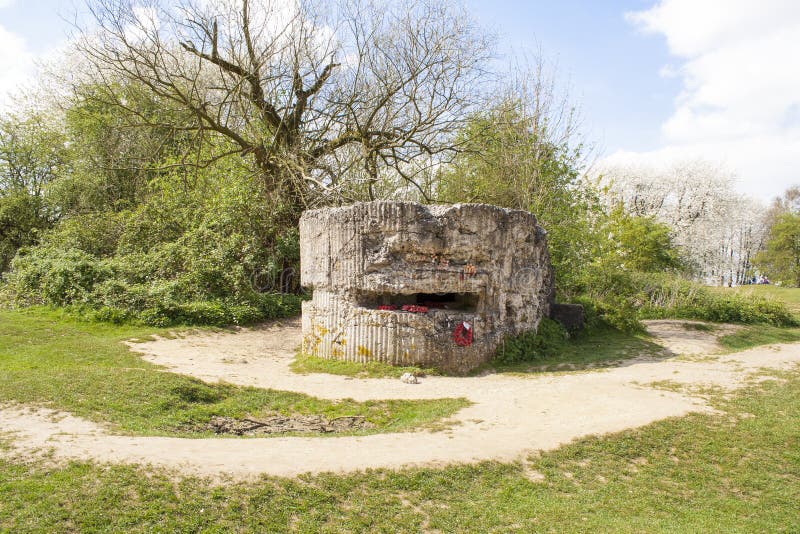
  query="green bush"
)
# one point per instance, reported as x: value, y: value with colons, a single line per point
x: 54, y: 276
x: 221, y: 313
x: 673, y: 297
x: 533, y: 345
x: 621, y: 298
x: 23, y: 217
x: 108, y: 314
x: 615, y: 312
x: 219, y: 256
x: 93, y: 233
x: 707, y: 306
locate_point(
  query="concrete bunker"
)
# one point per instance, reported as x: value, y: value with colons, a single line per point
x: 412, y: 284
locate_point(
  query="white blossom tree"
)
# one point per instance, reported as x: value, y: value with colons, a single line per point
x: 718, y: 230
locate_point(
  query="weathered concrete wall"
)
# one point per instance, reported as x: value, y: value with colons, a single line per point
x: 479, y: 264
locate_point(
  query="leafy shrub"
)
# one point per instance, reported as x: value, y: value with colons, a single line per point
x: 54, y: 276
x: 23, y: 217
x: 616, y: 312
x: 108, y: 314
x: 533, y: 345
x: 222, y: 313
x: 93, y: 233
x: 215, y: 256
x: 708, y: 306
x: 621, y: 298
x: 665, y: 296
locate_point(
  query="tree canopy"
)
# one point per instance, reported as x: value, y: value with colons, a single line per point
x: 162, y: 174
x: 781, y: 257
x: 313, y: 93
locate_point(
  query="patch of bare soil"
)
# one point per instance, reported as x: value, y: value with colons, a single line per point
x: 688, y: 337
x: 279, y: 424
x: 510, y: 417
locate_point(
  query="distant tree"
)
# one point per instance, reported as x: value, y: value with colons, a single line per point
x: 789, y: 201
x: 639, y: 243
x: 32, y: 155
x: 718, y: 230
x: 781, y: 258
x: 32, y: 152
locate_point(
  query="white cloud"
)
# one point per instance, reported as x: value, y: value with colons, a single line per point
x: 16, y: 63
x: 145, y: 23
x: 740, y: 102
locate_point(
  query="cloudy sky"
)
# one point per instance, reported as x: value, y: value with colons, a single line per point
x: 657, y: 81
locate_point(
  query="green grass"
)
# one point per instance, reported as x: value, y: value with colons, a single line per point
x: 735, y: 471
x: 596, y: 347
x: 304, y: 364
x: 83, y: 367
x: 788, y: 295
x: 753, y: 336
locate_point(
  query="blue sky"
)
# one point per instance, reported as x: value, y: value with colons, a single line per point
x: 611, y: 68
x: 657, y: 80
x: 40, y: 22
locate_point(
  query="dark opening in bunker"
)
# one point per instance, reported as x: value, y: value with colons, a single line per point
x: 444, y: 301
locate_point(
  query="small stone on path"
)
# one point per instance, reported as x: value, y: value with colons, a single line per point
x: 409, y: 378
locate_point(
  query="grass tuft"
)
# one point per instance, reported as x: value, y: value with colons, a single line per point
x: 306, y: 364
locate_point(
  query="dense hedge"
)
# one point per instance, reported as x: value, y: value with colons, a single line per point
x: 621, y: 298
x: 205, y: 258
x: 677, y: 298
x: 116, y: 289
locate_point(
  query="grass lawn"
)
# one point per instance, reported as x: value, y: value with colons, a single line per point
x: 83, y: 367
x: 303, y: 364
x: 753, y: 336
x: 736, y: 471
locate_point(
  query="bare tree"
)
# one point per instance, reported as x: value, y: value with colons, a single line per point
x: 313, y: 92
x: 787, y: 202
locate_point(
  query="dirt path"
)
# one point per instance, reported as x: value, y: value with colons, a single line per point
x: 688, y: 337
x: 511, y: 415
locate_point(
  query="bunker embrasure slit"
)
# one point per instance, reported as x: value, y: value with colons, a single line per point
x: 433, y: 301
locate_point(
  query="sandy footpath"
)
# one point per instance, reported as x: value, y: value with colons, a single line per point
x: 511, y: 415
